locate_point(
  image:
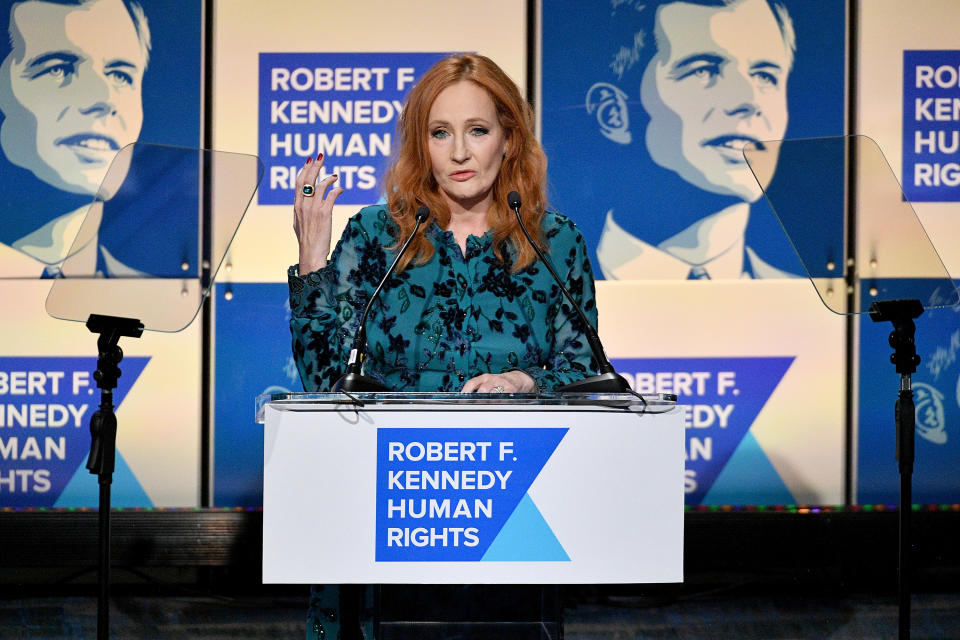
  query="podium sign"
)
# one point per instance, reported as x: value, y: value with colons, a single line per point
x: 455, y: 488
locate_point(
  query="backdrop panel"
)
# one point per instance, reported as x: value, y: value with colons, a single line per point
x: 757, y: 366
x: 47, y: 395
x: 77, y: 83
x: 936, y: 388
x: 645, y: 108
x: 277, y: 93
x: 908, y: 90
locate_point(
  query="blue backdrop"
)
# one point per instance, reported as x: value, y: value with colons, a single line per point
x: 591, y: 174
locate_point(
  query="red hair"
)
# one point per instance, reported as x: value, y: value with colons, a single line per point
x: 409, y: 181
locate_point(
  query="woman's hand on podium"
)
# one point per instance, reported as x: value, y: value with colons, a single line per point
x: 515, y: 381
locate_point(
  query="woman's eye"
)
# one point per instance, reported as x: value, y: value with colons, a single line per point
x: 479, y: 131
x: 439, y: 134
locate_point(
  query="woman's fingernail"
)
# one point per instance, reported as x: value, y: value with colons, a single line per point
x: 319, y: 155
x: 309, y: 160
x: 335, y: 177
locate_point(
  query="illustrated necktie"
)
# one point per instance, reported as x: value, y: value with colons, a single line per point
x: 698, y: 273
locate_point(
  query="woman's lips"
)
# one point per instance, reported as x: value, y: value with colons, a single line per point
x: 462, y: 176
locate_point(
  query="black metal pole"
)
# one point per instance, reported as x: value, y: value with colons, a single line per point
x: 103, y: 573
x: 103, y: 447
x: 902, y: 314
x: 906, y: 423
x: 103, y: 443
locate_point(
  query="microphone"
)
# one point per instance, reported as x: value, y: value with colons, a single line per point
x: 608, y: 381
x: 354, y: 380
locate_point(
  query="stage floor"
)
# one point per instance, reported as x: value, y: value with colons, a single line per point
x: 735, y: 611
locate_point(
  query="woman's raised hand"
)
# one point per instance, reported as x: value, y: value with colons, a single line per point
x: 313, y: 214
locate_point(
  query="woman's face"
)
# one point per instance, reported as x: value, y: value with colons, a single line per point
x: 717, y: 83
x: 467, y: 146
x: 70, y: 90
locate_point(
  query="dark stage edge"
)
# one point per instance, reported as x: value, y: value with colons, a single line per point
x: 737, y: 612
x: 196, y: 574
x: 847, y: 544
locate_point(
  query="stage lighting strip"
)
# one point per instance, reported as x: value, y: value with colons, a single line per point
x: 807, y: 509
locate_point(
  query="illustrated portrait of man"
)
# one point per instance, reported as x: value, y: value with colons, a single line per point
x: 71, y: 78
x: 671, y: 92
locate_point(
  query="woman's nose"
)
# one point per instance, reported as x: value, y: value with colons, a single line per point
x: 460, y: 151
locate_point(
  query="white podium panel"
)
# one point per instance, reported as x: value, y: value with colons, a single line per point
x: 488, y: 492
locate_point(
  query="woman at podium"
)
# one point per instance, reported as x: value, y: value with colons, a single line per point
x: 469, y: 307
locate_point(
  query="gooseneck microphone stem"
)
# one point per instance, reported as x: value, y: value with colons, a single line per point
x: 608, y: 380
x: 354, y: 380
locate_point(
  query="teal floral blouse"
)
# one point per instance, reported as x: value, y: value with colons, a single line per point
x: 437, y: 325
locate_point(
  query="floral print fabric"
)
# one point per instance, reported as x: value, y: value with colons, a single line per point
x: 436, y: 325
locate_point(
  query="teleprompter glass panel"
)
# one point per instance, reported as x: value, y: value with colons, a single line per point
x: 151, y: 250
x: 842, y: 188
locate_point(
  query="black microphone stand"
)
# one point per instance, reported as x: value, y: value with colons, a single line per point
x: 103, y: 442
x: 608, y: 380
x: 902, y: 314
x: 354, y: 380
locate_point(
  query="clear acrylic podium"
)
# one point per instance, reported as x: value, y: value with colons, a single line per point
x: 511, y: 494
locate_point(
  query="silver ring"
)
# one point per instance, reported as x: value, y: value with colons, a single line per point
x: 498, y: 388
x: 308, y: 190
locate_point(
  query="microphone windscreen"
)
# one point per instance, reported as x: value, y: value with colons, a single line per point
x: 423, y: 212
x: 513, y: 199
